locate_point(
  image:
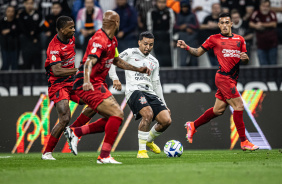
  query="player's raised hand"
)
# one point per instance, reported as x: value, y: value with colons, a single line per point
x: 87, y: 86
x: 244, y: 56
x: 144, y: 70
x: 181, y: 44
x: 117, y: 85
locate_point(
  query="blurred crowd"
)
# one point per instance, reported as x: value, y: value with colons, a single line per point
x: 27, y: 26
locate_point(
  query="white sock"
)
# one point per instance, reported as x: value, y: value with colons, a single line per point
x: 142, y: 139
x: 153, y: 134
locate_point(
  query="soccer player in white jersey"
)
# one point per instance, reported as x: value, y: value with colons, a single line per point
x: 144, y: 94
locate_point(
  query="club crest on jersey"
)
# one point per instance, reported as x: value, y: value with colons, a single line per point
x: 238, y: 43
x: 142, y: 100
x: 94, y: 50
x: 54, y: 58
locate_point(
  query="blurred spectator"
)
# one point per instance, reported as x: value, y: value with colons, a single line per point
x: 78, y: 4
x: 17, y: 4
x: 89, y: 20
x: 108, y: 5
x: 174, y: 5
x: 30, y: 22
x: 142, y: 7
x: 203, y: 8
x: 128, y: 23
x: 276, y: 6
x: 45, y: 6
x: 49, y: 26
x: 160, y: 21
x: 241, y: 27
x: 264, y: 22
x: 244, y: 7
x: 210, y: 27
x: 9, y: 30
x: 187, y: 25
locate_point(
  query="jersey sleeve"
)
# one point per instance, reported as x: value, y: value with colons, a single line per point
x: 54, y: 55
x: 208, y: 44
x: 156, y: 73
x: 243, y: 45
x: 96, y: 47
x: 125, y: 55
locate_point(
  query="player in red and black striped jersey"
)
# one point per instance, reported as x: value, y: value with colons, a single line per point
x: 90, y: 86
x: 60, y: 73
x: 230, y: 49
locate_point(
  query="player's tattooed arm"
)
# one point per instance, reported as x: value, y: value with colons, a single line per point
x: 126, y: 66
x: 58, y: 71
x: 90, y: 62
x: 193, y: 51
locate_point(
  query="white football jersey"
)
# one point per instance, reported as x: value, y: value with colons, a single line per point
x: 136, y: 80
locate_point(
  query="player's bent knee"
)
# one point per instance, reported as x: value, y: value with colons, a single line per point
x: 219, y: 112
x: 148, y: 116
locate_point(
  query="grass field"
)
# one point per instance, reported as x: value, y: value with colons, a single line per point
x: 205, y: 166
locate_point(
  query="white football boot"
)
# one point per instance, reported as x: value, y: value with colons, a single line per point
x: 72, y: 139
x: 108, y: 160
x: 47, y: 156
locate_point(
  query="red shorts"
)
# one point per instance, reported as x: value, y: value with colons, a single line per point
x: 226, y: 87
x: 59, y: 92
x: 94, y: 98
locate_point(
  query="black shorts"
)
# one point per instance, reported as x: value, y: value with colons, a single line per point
x: 139, y: 99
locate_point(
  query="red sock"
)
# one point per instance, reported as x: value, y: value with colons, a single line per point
x: 80, y: 121
x: 52, y: 142
x: 91, y: 128
x: 239, y: 123
x: 206, y: 117
x: 111, y: 132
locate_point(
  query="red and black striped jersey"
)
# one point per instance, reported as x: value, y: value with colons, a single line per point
x: 227, y: 50
x: 60, y: 52
x: 104, y: 49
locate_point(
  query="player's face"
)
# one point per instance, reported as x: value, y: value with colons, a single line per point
x: 146, y: 45
x: 225, y: 25
x: 68, y: 31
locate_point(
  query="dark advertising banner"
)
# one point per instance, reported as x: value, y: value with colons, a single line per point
x: 26, y: 123
x: 173, y: 81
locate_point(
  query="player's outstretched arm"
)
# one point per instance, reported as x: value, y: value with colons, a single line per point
x: 193, y: 51
x: 126, y: 66
x: 90, y: 62
x: 58, y: 71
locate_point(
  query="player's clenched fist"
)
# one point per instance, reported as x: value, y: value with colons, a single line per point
x: 181, y: 44
x: 244, y: 56
x: 144, y: 70
x: 87, y: 86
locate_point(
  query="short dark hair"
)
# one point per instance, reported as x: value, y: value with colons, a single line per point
x: 224, y: 15
x: 265, y: 1
x: 146, y: 34
x: 62, y: 21
x: 56, y: 2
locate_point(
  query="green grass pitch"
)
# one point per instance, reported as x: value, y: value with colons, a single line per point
x: 200, y: 166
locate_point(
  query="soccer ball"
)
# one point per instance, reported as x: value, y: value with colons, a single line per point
x: 173, y: 148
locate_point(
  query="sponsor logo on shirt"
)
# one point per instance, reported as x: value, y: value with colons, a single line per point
x: 109, y: 62
x: 64, y: 47
x: 236, y: 38
x: 54, y: 52
x: 231, y: 53
x: 97, y: 45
